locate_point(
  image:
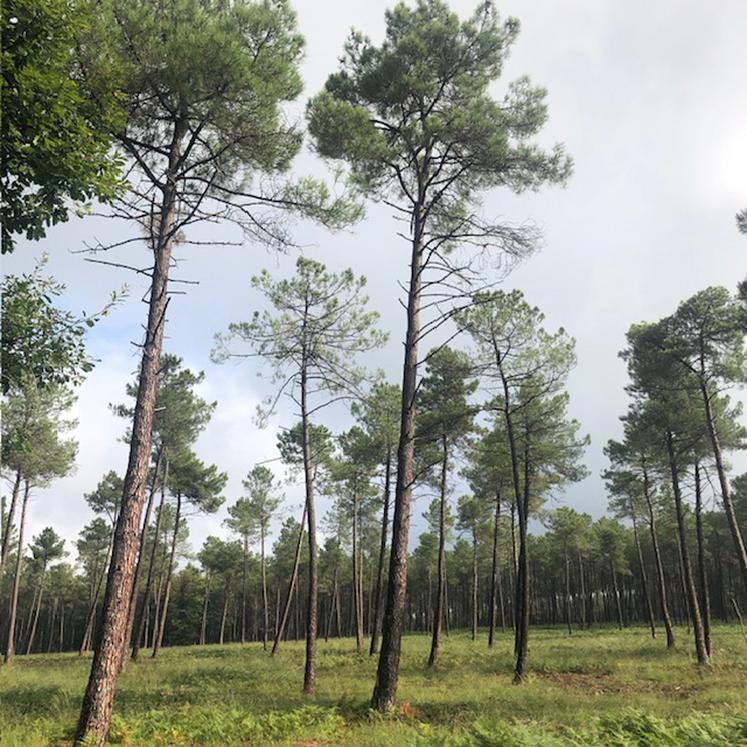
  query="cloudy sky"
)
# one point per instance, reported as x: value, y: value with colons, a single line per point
x: 649, y: 99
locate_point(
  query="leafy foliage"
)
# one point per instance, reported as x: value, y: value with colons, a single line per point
x: 56, y: 136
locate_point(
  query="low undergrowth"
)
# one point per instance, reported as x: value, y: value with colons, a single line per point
x: 600, y: 687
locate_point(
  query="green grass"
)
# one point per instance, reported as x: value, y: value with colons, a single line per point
x: 594, y: 688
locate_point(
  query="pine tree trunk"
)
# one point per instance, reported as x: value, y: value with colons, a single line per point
x: 616, y: 590
x: 582, y: 591
x: 704, y: 596
x: 169, y: 577
x: 61, y: 642
x: 223, y: 616
x: 495, y: 574
x: 567, y: 591
x: 10, y: 641
x: 438, y: 614
x: 692, y: 597
x: 522, y: 581
x: 474, y: 585
x: 140, y: 637
x: 98, y: 701
x: 387, y: 673
x: 52, y: 621
x: 661, y: 580
x: 35, y: 617
x: 291, y: 586
x: 203, y: 625
x: 731, y: 516
x: 244, y: 560
x: 644, y: 578
x: 356, y: 581
x: 376, y: 617
x: 309, y: 677
x: 10, y: 519
x: 263, y: 569
x: 141, y: 550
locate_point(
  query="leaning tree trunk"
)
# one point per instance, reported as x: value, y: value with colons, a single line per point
x: 692, y: 597
x: 141, y: 550
x: 731, y: 516
x: 203, y: 624
x: 10, y: 641
x: 35, y: 618
x: 291, y: 586
x: 169, y: 579
x: 98, y: 701
x: 704, y: 596
x: 441, y: 567
x: 644, y: 578
x: 91, y: 618
x: 382, y: 553
x: 137, y: 642
x: 224, y: 614
x: 494, y: 577
x: 10, y: 519
x: 387, y: 673
x: 616, y: 591
x: 661, y: 580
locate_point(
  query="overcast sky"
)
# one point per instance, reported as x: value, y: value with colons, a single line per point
x: 650, y: 100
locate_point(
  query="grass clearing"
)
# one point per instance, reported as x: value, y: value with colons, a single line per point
x: 601, y: 687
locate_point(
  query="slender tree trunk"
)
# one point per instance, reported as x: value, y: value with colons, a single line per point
x: 291, y: 585
x: 692, y: 597
x: 62, y: 628
x: 338, y: 611
x: 26, y: 628
x: 98, y: 701
x: 13, y: 611
x: 704, y: 595
x: 263, y: 570
x: 495, y: 573
x: 567, y: 591
x: 169, y: 577
x: 474, y: 585
x: 137, y: 642
x: 731, y: 516
x: 644, y: 579
x: 141, y: 549
x: 203, y: 626
x: 356, y: 580
x: 224, y: 614
x: 382, y: 554
x: 309, y: 676
x: 52, y: 621
x: 332, y: 600
x: 521, y: 575
x: 387, y: 673
x: 441, y: 567
x: 10, y: 520
x: 616, y: 591
x: 661, y: 580
x: 447, y: 606
x: 35, y: 617
x: 582, y: 591
x: 244, y: 560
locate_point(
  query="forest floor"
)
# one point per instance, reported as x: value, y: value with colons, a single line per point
x: 599, y: 687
